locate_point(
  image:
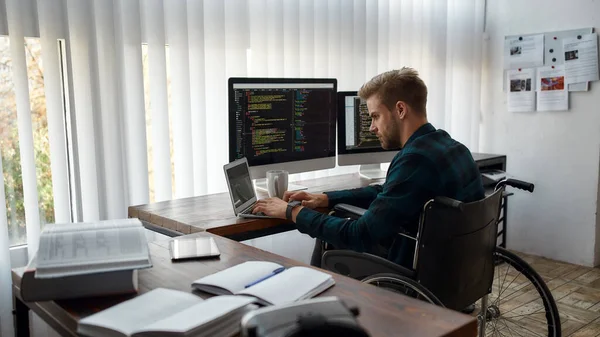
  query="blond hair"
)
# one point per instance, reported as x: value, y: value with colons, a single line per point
x: 397, y: 85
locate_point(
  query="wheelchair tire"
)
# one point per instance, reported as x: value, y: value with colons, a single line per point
x: 526, y: 308
x: 403, y: 285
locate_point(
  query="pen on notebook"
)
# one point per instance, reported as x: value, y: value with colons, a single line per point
x: 273, y: 273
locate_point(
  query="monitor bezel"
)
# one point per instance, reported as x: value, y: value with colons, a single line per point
x: 274, y: 80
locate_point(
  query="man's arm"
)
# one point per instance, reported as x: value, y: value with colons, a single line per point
x: 359, y: 197
x: 411, y: 183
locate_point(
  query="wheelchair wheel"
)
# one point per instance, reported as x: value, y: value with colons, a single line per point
x: 520, y: 303
x: 403, y: 285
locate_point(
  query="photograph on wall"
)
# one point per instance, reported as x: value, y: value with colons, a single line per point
x: 571, y: 55
x: 552, y: 83
x: 552, y: 94
x: 520, y: 85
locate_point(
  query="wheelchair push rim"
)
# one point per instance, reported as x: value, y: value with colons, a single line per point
x: 402, y: 285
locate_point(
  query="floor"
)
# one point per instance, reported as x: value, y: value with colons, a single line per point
x: 576, y: 289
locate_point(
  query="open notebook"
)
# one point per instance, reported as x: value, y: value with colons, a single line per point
x: 166, y: 312
x: 292, y: 284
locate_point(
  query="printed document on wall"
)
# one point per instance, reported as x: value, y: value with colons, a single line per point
x: 552, y: 94
x: 521, y: 93
x: 523, y: 51
x: 581, y: 58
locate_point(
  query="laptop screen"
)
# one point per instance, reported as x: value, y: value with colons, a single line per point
x: 240, y: 184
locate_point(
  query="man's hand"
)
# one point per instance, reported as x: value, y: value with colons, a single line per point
x: 308, y: 199
x: 274, y: 207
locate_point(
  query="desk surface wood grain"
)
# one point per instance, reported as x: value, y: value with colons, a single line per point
x: 382, y: 312
x: 214, y: 213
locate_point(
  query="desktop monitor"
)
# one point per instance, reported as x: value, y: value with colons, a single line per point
x: 357, y: 145
x: 282, y: 124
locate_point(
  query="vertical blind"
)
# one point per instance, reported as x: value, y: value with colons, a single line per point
x: 5, y: 278
x: 192, y: 47
x: 14, y: 13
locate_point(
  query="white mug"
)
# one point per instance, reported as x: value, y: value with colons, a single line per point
x: 277, y: 183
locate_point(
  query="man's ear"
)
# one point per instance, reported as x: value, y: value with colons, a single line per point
x: 401, y: 109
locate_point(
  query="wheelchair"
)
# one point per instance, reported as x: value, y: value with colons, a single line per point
x: 457, y: 263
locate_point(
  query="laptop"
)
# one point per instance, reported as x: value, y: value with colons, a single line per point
x: 243, y: 196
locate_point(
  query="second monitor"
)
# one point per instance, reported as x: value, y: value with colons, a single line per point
x: 357, y: 145
x: 282, y: 124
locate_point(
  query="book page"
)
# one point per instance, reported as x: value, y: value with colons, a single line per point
x: 130, y: 316
x: 294, y: 284
x: 212, y: 310
x: 234, y: 279
x: 79, y: 248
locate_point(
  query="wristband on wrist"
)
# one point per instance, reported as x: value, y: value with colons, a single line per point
x: 290, y: 207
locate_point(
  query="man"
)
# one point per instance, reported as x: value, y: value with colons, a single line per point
x: 429, y: 164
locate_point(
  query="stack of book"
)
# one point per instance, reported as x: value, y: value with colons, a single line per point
x: 86, y: 259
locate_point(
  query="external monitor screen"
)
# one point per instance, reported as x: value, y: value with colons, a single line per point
x: 281, y: 120
x: 358, y: 124
x: 354, y: 124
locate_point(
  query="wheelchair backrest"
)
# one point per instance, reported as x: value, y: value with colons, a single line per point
x: 455, y: 249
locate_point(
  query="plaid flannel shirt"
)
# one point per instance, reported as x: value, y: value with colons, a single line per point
x: 430, y: 164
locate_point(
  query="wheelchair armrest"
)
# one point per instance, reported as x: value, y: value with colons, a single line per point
x: 360, y: 265
x: 353, y: 210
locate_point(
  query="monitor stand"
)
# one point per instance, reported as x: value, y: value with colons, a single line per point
x: 261, y: 184
x: 372, y: 171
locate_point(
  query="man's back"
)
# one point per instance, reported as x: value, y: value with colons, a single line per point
x: 451, y: 172
x: 458, y: 173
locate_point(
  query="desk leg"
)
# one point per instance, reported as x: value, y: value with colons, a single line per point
x: 21, y: 319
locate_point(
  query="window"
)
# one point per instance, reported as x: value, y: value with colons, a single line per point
x: 9, y: 139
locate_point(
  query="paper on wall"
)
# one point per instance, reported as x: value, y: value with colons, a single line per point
x: 523, y: 51
x: 581, y: 58
x: 551, y: 91
x: 521, y: 93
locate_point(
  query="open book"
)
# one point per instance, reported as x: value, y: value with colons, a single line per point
x: 166, y: 312
x: 262, y: 280
x: 88, y: 248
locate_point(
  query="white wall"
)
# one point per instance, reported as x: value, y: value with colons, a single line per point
x: 558, y: 151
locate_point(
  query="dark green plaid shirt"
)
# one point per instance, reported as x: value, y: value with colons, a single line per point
x: 430, y: 164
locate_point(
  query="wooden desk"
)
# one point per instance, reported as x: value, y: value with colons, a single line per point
x: 382, y: 312
x: 214, y: 213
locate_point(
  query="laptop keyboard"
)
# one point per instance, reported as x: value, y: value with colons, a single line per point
x: 249, y: 211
